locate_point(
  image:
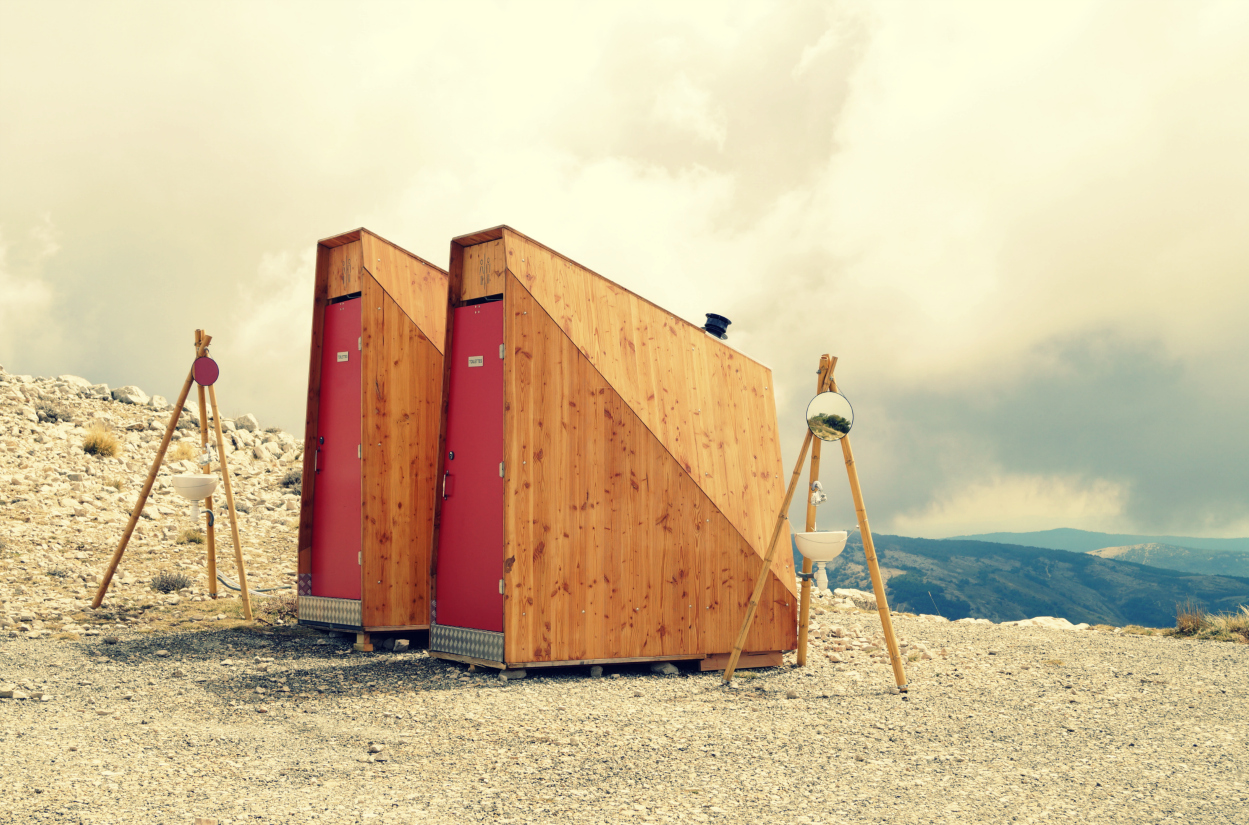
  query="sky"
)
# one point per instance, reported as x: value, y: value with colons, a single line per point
x: 1021, y: 227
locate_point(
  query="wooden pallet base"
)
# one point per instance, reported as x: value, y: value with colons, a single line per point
x: 719, y: 661
x: 716, y: 661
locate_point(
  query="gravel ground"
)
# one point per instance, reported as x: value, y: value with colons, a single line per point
x: 1000, y: 725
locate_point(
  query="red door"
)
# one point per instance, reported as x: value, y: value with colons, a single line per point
x: 470, y: 542
x: 336, y: 489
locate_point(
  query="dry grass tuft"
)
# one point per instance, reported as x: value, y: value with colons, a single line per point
x: 283, y: 607
x: 100, y: 441
x: 1189, y: 618
x: 191, y: 535
x: 181, y: 451
x: 168, y: 582
x: 1221, y: 627
x: 116, y: 482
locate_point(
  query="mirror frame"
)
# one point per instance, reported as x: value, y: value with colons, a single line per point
x: 807, y: 416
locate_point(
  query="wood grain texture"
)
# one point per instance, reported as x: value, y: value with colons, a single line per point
x: 341, y: 239
x: 417, y: 286
x: 612, y: 551
x: 719, y: 661
x: 319, y: 299
x: 402, y: 385
x: 484, y: 267
x: 472, y: 239
x: 711, y: 407
x: 344, y: 273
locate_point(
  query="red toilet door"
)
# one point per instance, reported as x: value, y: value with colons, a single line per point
x: 336, y: 489
x: 470, y: 542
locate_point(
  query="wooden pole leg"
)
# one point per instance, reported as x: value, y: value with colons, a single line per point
x: 736, y: 655
x: 766, y: 568
x: 869, y: 552
x: 804, y: 609
x: 234, y: 516
x: 211, y: 560
x: 147, y: 490
x: 363, y: 643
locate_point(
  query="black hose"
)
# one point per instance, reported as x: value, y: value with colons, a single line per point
x: 234, y: 586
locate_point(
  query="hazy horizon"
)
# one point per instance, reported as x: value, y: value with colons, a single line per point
x: 1017, y: 225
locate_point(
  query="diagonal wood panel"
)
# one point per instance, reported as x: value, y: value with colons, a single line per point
x: 710, y: 406
x: 417, y: 286
x: 402, y: 402
x: 612, y: 550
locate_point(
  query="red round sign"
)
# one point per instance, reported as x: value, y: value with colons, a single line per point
x: 205, y: 371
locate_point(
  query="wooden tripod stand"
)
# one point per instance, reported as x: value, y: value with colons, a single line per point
x: 824, y: 383
x: 201, y: 351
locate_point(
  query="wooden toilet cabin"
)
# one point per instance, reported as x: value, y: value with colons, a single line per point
x: 611, y: 474
x: 371, y: 448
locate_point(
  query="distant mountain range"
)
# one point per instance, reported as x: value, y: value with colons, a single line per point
x: 1082, y: 541
x: 1216, y: 557
x: 1003, y: 582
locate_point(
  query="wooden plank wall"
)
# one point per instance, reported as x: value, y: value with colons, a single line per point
x: 612, y: 550
x: 344, y: 269
x: 484, y: 267
x: 319, y: 295
x: 402, y: 377
x: 711, y: 407
x: 417, y: 286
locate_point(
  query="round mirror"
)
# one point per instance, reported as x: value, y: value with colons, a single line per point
x: 830, y: 416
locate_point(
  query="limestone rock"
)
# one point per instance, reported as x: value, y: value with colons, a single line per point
x: 130, y: 394
x: 247, y: 422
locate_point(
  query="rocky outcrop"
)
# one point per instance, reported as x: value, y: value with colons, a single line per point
x: 62, y: 511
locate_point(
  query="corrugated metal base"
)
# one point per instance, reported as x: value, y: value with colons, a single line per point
x: 466, y: 641
x: 325, y: 612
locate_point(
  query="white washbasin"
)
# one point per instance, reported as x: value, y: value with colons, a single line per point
x: 195, y: 486
x: 824, y: 546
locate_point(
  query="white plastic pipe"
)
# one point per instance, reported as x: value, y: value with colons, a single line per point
x: 821, y: 576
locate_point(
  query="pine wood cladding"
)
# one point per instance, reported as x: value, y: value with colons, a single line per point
x: 711, y: 407
x: 484, y: 267
x: 402, y: 376
x: 403, y: 327
x: 612, y: 550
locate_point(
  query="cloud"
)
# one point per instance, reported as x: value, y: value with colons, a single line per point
x: 24, y: 294
x: 1018, y: 225
x: 1018, y: 503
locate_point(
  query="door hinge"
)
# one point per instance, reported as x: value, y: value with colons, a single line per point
x: 359, y: 344
x: 500, y: 350
x: 500, y: 587
x: 359, y: 557
x: 359, y: 451
x: 500, y: 469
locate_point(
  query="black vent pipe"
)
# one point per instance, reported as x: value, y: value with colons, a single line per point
x: 717, y: 325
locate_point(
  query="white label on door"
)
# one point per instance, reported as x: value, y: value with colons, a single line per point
x: 342, y: 356
x: 476, y: 360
